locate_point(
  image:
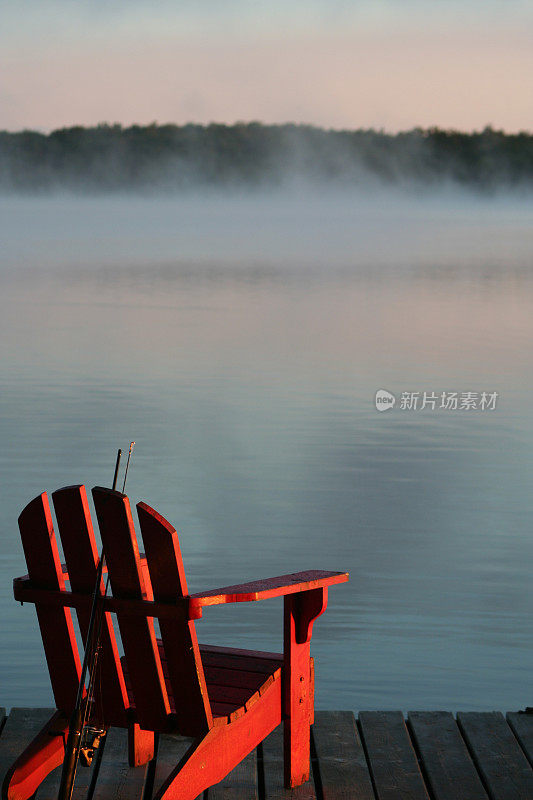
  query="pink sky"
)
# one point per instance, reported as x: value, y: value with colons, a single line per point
x: 392, y: 71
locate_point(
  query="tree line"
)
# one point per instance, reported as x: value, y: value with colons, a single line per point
x: 172, y: 157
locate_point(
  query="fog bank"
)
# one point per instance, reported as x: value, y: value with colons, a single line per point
x: 170, y: 158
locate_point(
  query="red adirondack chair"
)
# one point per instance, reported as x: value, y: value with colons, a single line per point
x: 228, y: 700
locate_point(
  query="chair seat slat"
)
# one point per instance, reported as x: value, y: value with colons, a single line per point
x: 231, y: 691
x: 248, y: 663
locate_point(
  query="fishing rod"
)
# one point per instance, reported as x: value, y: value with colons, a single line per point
x: 132, y: 445
x: 78, y: 721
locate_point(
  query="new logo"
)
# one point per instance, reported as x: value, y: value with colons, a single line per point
x: 384, y: 400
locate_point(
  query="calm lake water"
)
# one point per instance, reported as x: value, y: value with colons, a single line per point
x: 241, y: 341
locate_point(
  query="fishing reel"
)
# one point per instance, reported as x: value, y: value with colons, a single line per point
x: 91, y: 740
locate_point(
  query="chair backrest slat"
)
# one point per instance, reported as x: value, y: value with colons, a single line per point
x: 57, y: 629
x: 137, y: 633
x: 184, y: 663
x: 81, y: 554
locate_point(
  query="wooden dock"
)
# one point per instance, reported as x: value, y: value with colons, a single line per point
x: 430, y: 755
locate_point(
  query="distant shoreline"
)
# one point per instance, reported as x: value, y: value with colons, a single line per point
x: 253, y: 155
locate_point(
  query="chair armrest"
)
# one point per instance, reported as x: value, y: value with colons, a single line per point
x: 267, y: 587
x: 309, y: 584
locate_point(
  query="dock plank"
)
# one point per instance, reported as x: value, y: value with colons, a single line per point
x: 497, y: 754
x: 272, y: 751
x: 170, y: 751
x: 480, y: 756
x: 449, y: 769
x: 240, y: 784
x: 49, y: 788
x: 392, y: 759
x: 522, y: 725
x: 341, y: 760
x: 116, y: 779
x: 22, y: 725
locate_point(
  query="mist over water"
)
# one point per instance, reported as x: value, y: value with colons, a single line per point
x: 327, y: 231
x: 240, y: 339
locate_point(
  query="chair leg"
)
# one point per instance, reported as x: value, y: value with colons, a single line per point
x: 297, y: 724
x: 140, y: 745
x: 210, y: 758
x: 300, y: 611
x: 43, y: 754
